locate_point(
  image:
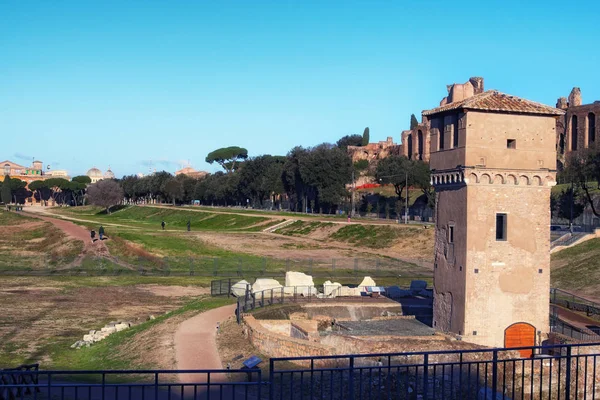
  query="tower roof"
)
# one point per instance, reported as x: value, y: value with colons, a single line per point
x: 493, y: 100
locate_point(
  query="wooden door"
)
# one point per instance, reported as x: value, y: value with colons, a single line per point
x: 520, y: 335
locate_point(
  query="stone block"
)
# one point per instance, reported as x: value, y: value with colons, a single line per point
x: 121, y: 326
x: 239, y: 289
x: 88, y: 338
x: 265, y: 284
x: 367, y: 281
x: 330, y: 287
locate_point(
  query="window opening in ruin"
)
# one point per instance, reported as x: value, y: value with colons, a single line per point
x: 451, y: 234
x: 420, y: 144
x: 441, y: 128
x: 511, y: 144
x: 501, y: 227
x: 574, y: 133
x: 455, y: 132
x: 410, y: 146
x: 591, y: 128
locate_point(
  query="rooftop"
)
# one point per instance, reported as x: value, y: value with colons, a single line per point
x: 493, y: 100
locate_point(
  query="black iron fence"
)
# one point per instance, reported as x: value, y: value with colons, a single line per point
x: 555, y: 372
x: 573, y: 302
x: 552, y: 372
x: 132, y: 384
x: 216, y: 267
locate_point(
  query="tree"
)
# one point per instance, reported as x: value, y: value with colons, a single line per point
x: 349, y: 140
x: 394, y: 170
x: 105, y: 193
x: 413, y: 121
x: 6, y: 192
x: 569, y: 200
x: 581, y: 168
x: 174, y: 189
x: 227, y: 157
x: 365, y: 137
x: 82, y: 179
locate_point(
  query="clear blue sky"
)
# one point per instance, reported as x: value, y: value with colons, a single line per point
x: 121, y: 83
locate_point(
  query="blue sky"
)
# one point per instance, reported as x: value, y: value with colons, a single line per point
x: 135, y: 84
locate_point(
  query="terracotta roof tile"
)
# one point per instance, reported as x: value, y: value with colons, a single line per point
x: 492, y: 100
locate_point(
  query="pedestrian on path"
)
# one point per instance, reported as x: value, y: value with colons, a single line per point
x: 93, y: 235
x: 163, y: 225
x: 189, y: 224
x: 101, y: 232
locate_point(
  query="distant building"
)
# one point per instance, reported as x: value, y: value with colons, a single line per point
x: 416, y: 142
x: 579, y: 129
x: 58, y: 173
x: 109, y: 174
x: 28, y: 174
x: 95, y: 174
x: 191, y: 172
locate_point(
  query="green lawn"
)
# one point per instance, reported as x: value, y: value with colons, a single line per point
x: 174, y: 218
x: 578, y: 268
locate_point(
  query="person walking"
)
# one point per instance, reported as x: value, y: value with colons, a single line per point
x: 101, y: 232
x: 163, y: 225
x: 93, y: 235
x: 189, y: 224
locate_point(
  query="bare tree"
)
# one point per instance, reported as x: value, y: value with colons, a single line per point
x: 105, y: 193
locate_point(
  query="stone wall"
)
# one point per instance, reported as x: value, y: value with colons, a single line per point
x: 279, y: 345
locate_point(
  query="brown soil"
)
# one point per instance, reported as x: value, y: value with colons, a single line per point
x: 38, y: 311
x: 315, y: 247
x: 234, y: 347
x: 174, y: 291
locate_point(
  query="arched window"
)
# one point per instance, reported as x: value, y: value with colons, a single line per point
x: 574, y: 133
x: 455, y: 132
x: 420, y: 144
x: 6, y: 169
x: 442, y: 128
x: 591, y: 128
x: 410, y: 146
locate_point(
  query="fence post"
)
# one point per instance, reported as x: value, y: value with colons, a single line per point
x: 351, y: 379
x: 271, y: 379
x: 425, y: 374
x: 568, y: 374
x: 495, y: 374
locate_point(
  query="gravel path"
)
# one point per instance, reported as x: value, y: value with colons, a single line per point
x: 196, y: 346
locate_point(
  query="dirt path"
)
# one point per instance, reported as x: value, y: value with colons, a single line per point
x: 195, y: 343
x: 76, y: 232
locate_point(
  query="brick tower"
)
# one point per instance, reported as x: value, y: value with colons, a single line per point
x: 493, y: 160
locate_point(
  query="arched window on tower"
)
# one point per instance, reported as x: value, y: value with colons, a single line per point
x: 591, y: 128
x: 574, y: 133
x: 441, y: 135
x: 420, y: 144
x: 410, y: 146
x: 455, y: 131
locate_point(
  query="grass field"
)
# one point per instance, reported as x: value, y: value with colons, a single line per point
x: 28, y: 244
x: 175, y: 218
x: 578, y: 269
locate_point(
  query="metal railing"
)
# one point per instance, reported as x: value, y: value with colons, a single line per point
x: 565, y: 372
x: 132, y: 384
x: 557, y: 325
x: 573, y: 302
x: 553, y: 372
x: 215, y: 267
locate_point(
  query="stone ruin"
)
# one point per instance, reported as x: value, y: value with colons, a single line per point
x: 97, y: 335
x: 298, y: 283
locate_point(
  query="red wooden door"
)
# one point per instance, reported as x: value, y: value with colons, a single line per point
x: 520, y: 335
